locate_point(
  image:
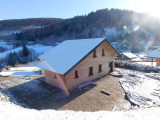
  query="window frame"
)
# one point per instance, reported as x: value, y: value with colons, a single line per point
x: 76, y: 74
x: 99, y: 68
x: 103, y: 52
x: 90, y: 71
x: 94, y: 54
x: 55, y: 76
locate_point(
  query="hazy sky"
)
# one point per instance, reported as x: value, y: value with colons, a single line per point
x: 15, y: 9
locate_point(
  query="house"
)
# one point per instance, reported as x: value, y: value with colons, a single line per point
x: 129, y: 57
x: 155, y: 56
x: 74, y: 62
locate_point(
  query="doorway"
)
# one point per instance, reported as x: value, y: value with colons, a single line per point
x: 111, y: 67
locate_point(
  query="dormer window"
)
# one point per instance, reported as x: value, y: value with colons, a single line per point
x: 76, y: 74
x: 103, y: 54
x: 94, y: 54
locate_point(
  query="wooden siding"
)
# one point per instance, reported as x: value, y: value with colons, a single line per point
x: 57, y: 81
x: 83, y: 67
x: 158, y: 62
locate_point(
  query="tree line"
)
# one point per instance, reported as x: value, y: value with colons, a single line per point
x: 23, y: 56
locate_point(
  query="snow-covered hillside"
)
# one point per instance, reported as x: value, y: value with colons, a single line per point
x: 5, y: 45
x: 40, y: 49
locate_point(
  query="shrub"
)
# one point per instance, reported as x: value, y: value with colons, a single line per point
x: 135, y: 66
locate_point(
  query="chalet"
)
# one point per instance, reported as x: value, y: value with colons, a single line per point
x: 155, y: 56
x: 74, y: 62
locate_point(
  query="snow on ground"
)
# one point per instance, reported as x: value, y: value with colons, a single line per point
x: 9, y: 111
x: 5, y: 45
x: 143, y: 84
x: 142, y: 89
x: 21, y: 71
x: 40, y: 49
x: 147, y: 63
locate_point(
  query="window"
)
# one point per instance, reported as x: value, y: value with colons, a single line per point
x: 100, y: 68
x: 76, y: 74
x: 103, y: 54
x: 90, y: 71
x: 55, y: 77
x: 94, y: 54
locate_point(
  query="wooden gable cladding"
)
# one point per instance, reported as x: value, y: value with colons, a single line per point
x: 109, y: 48
x: 90, y: 61
x: 56, y: 80
x: 158, y: 62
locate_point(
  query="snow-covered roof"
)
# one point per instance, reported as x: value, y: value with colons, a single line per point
x: 154, y: 53
x: 129, y: 55
x: 136, y: 59
x: 66, y: 55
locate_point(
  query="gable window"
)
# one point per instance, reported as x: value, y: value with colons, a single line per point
x: 55, y: 77
x: 100, y: 68
x: 103, y: 54
x: 76, y: 74
x: 90, y: 71
x: 94, y: 54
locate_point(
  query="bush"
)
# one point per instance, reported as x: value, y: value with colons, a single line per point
x: 135, y: 66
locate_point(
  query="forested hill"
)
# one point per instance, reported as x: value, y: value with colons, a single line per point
x: 15, y: 24
x: 123, y: 26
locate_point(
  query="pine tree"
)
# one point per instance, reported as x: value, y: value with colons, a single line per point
x: 25, y: 51
x: 10, y: 59
x: 13, y: 59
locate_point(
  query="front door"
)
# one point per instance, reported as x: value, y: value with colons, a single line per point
x: 111, y: 66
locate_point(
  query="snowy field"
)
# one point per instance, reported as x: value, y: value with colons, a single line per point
x: 21, y: 71
x: 40, y: 49
x: 10, y: 111
x: 5, y: 45
x: 142, y: 89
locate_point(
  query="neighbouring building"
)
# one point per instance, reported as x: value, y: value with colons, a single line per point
x: 128, y: 56
x: 74, y: 62
x: 155, y: 56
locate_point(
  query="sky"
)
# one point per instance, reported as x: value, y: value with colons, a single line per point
x: 18, y: 9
